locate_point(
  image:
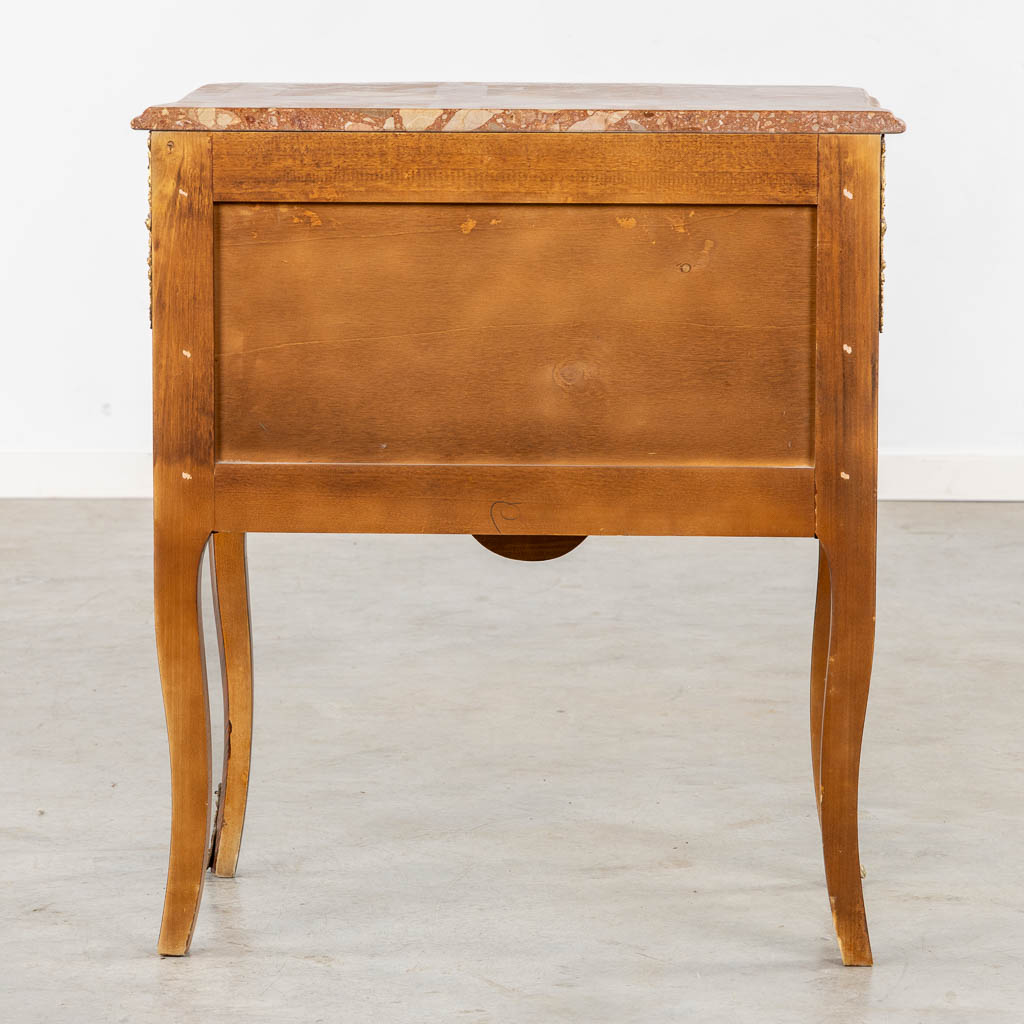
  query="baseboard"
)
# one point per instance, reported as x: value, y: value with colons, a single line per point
x: 951, y: 477
x: 76, y: 475
x: 904, y: 477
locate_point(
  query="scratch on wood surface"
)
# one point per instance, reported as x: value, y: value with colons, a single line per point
x: 705, y: 254
x: 467, y: 225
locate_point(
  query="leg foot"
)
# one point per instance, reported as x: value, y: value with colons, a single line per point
x: 231, y: 610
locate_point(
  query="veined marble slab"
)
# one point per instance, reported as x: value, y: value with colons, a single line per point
x: 522, y: 107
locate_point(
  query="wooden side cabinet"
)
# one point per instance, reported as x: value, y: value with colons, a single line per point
x: 525, y: 313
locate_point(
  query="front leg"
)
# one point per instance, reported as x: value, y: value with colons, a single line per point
x: 848, y: 674
x: 845, y: 486
x: 182, y: 659
x: 183, y: 457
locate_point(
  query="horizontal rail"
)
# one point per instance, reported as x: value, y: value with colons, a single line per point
x: 307, y: 167
x: 514, y: 499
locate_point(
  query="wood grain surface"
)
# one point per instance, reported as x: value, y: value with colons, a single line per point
x: 499, y: 168
x: 637, y: 335
x: 566, y: 500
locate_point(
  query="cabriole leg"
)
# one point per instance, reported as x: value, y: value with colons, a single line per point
x: 819, y: 665
x: 850, y: 650
x: 229, y: 572
x: 182, y: 659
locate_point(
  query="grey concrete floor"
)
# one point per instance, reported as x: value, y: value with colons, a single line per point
x: 494, y: 791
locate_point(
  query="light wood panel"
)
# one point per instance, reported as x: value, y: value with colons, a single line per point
x: 307, y: 167
x: 644, y: 335
x: 567, y: 500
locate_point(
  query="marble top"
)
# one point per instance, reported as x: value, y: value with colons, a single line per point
x: 522, y: 107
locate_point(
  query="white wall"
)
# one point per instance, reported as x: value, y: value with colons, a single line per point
x: 74, y: 375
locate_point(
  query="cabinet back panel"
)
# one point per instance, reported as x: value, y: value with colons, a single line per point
x: 498, y: 334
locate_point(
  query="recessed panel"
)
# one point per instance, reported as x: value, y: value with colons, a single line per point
x: 519, y: 334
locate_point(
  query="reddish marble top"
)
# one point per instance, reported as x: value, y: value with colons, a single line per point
x: 522, y: 107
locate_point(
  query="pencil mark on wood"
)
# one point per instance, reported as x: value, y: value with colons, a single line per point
x: 506, y: 511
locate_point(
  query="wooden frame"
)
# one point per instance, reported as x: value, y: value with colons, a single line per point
x: 196, y: 497
x: 727, y: 501
x: 312, y: 167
